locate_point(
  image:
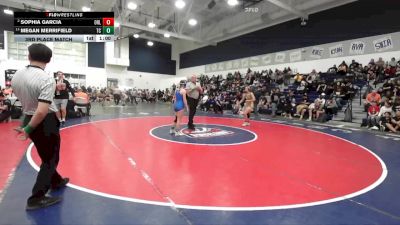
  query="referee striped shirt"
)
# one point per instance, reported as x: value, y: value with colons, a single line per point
x: 32, y: 85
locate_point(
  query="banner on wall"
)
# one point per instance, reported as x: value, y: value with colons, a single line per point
x: 207, y: 69
x: 245, y: 63
x: 357, y: 48
x: 280, y: 57
x: 214, y: 67
x: 229, y: 65
x: 220, y: 66
x: 317, y: 52
x: 295, y: 56
x: 336, y: 50
x: 265, y: 60
x: 383, y: 44
x: 236, y: 64
x: 255, y: 61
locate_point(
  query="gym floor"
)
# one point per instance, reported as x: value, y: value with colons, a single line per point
x: 125, y: 168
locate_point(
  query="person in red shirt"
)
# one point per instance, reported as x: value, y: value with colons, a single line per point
x: 373, y: 118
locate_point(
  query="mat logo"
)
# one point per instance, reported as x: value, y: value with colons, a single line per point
x: 206, y: 132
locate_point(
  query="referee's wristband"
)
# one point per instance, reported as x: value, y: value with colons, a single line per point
x: 28, y: 129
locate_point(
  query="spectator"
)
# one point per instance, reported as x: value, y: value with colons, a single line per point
x: 390, y: 124
x: 5, y: 108
x: 353, y: 65
x: 386, y: 108
x: 289, y: 105
x: 81, y: 99
x: 343, y: 68
x: 312, y: 77
x: 373, y: 116
x: 396, y: 105
x: 316, y: 109
x: 333, y: 69
x: 302, y: 108
x: 298, y: 78
x: 374, y: 96
x: 117, y: 95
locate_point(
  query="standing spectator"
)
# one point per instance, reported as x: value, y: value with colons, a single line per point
x: 116, y: 94
x: 62, y: 96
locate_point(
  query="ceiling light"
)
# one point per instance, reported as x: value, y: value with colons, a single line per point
x: 136, y: 35
x: 192, y: 22
x: 132, y: 6
x: 180, y: 4
x: 167, y: 35
x: 151, y: 25
x: 150, y: 43
x: 8, y: 11
x: 233, y: 2
x: 85, y: 9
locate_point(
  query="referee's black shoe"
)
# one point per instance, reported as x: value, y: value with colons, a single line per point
x: 42, y: 202
x: 60, y: 185
x: 191, y: 127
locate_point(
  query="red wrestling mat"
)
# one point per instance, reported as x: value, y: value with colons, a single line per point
x: 283, y: 167
x: 11, y: 150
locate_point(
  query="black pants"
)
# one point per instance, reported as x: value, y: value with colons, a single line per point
x: 192, y: 109
x: 46, y: 138
x: 117, y: 98
x: 4, y: 115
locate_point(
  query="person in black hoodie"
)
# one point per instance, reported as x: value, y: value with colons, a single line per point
x: 61, y: 96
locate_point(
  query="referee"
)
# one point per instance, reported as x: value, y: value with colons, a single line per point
x: 193, y: 93
x: 35, y: 89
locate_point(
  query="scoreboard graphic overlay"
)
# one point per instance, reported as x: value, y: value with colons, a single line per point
x: 64, y: 26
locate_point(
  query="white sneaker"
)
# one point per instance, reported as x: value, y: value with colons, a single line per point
x: 309, y: 119
x: 374, y: 128
x: 245, y: 124
x: 172, y: 131
x: 178, y: 133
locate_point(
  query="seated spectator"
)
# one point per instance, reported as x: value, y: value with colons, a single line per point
x: 5, y: 108
x: 298, y: 78
x: 390, y: 124
x: 396, y: 105
x: 343, y: 68
x: 203, y: 103
x: 374, y: 96
x: 82, y: 99
x: 392, y: 62
x: 321, y: 87
x: 333, y: 69
x: 373, y: 116
x: 389, y: 72
x: 263, y: 105
x: 353, y: 65
x: 387, y: 107
x: 331, y: 106
x: 312, y: 77
x: 316, y: 109
x: 289, y: 105
x: 302, y: 88
x: 302, y: 107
